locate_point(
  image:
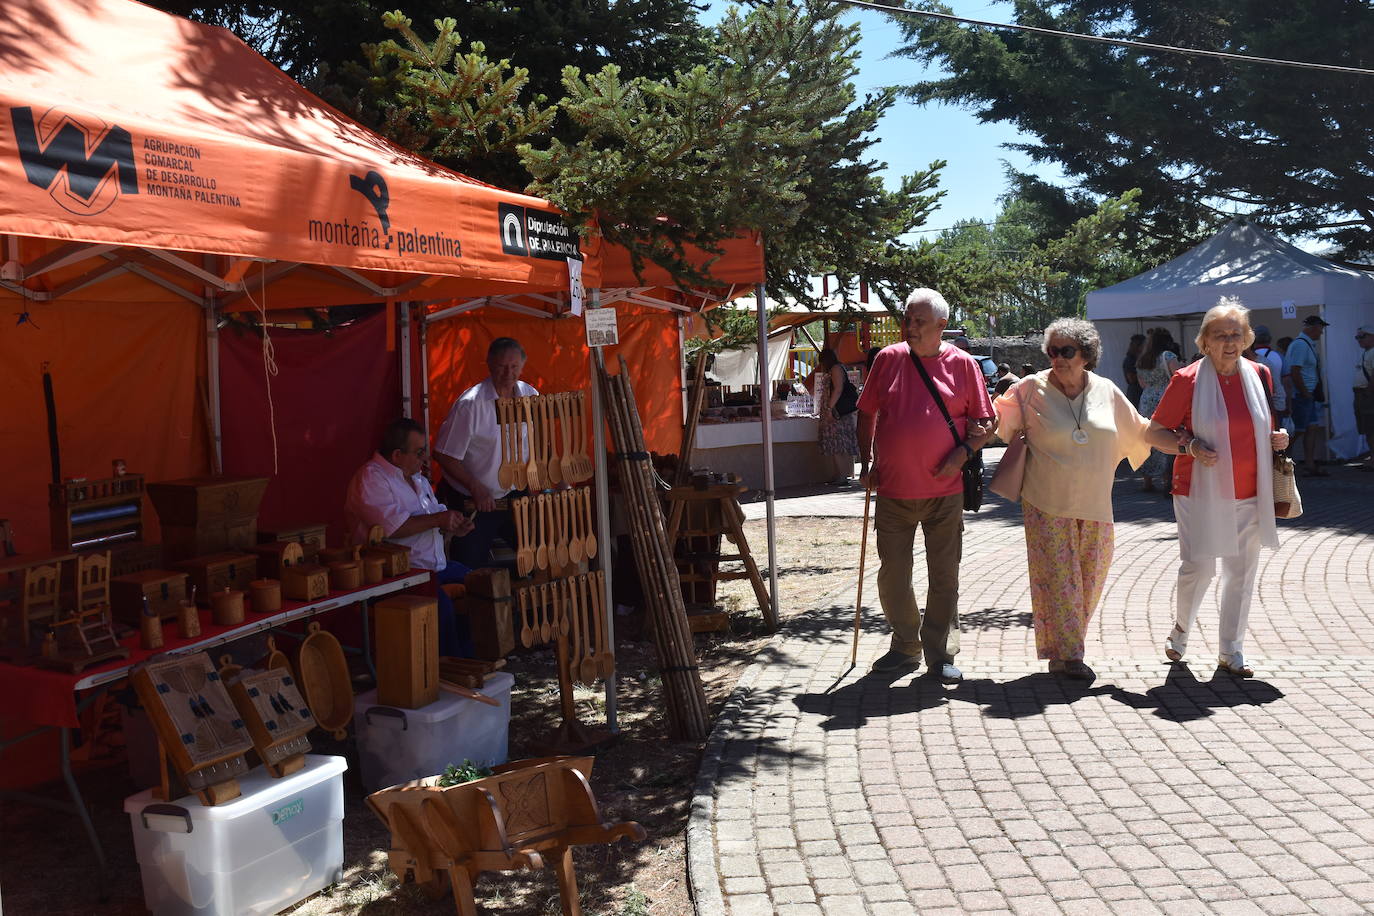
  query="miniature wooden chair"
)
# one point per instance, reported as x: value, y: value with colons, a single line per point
x: 93, y: 581
x: 39, y: 602
x: 524, y: 815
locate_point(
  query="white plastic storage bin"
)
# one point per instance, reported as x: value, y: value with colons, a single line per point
x: 273, y: 846
x: 398, y: 745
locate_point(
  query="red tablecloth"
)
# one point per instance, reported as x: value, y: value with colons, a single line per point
x: 47, y: 697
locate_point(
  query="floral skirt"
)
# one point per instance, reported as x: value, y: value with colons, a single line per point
x: 1069, y: 559
x: 840, y: 436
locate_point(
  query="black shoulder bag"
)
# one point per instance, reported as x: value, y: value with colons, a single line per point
x: 973, y: 468
x: 848, y: 401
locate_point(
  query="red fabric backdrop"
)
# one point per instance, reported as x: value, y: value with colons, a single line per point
x: 333, y: 395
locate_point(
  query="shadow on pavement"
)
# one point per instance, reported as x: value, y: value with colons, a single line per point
x: 1183, y: 698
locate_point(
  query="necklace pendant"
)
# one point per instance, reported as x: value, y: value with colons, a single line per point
x: 1080, y: 437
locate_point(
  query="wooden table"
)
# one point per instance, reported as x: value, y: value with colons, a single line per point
x: 53, y: 699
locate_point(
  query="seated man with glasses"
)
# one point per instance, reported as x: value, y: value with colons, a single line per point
x: 391, y: 490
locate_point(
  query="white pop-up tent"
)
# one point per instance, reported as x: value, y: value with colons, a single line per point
x: 1280, y: 284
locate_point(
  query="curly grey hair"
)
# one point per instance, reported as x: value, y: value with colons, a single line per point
x: 1081, y: 333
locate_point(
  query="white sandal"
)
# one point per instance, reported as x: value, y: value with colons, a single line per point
x: 1175, y: 643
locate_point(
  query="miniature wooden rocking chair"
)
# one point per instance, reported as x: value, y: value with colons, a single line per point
x: 527, y: 814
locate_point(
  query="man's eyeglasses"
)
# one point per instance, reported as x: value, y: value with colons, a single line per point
x: 420, y: 452
x: 1068, y: 351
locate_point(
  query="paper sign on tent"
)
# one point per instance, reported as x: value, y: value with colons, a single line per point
x: 575, y: 291
x: 1290, y: 308
x: 601, y: 327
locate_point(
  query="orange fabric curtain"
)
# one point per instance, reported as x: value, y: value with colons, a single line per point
x: 558, y: 361
x: 124, y: 381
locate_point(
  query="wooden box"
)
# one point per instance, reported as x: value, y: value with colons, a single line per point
x: 492, y: 625
x: 134, y: 556
x: 164, y: 589
x: 397, y: 558
x: 271, y: 706
x: 276, y: 556
x: 307, y: 582
x: 203, y: 515
x: 310, y: 537
x: 216, y: 572
x: 491, y: 582
x: 407, y: 651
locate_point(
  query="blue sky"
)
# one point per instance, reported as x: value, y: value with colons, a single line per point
x: 912, y: 136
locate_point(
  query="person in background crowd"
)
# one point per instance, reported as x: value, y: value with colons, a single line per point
x: 1027, y: 370
x: 1364, y: 392
x: 1223, y: 486
x: 1266, y: 354
x: 1157, y: 363
x: 1128, y: 369
x: 962, y: 343
x: 1282, y: 346
x: 1303, y: 365
x: 392, y: 490
x: 468, y: 450
x: 838, y: 431
x: 916, y: 468
x: 1004, y: 379
x: 869, y: 357
x: 1079, y: 426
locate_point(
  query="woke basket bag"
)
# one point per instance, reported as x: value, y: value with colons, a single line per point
x: 1287, y: 500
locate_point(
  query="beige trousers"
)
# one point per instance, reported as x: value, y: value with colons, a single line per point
x: 942, y: 522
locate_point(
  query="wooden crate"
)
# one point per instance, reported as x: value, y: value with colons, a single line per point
x: 311, y: 537
x: 134, y: 556
x: 164, y: 589
x: 308, y: 582
x: 407, y: 651
x: 205, y: 515
x: 216, y: 572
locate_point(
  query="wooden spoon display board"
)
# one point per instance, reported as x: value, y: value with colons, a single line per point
x: 199, y: 727
x: 277, y: 718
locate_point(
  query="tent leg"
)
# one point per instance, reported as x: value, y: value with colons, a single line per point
x: 403, y: 341
x: 424, y: 372
x: 766, y: 414
x: 603, y: 516
x: 212, y: 370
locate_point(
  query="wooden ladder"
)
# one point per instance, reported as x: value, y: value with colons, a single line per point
x: 700, y: 515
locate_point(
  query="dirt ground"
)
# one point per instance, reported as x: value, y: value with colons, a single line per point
x: 47, y: 867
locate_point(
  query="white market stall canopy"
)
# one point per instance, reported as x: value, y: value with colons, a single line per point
x: 1281, y: 285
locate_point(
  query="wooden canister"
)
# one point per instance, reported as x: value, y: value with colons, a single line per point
x: 227, y: 607
x: 188, y: 620
x: 345, y: 577
x: 266, y: 595
x: 374, y: 569
x: 150, y: 631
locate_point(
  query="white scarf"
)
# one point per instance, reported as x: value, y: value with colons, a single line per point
x: 1212, y: 496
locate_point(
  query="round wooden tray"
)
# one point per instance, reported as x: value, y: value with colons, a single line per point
x: 322, y: 672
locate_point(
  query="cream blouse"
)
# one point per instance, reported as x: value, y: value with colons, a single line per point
x: 1064, y: 478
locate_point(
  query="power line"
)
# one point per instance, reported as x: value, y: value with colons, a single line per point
x: 1102, y: 39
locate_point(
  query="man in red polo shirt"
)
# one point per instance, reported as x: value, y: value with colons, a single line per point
x: 916, y: 472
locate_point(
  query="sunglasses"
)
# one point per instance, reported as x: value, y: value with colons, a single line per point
x: 1068, y: 351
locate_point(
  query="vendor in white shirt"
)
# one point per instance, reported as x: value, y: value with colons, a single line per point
x: 392, y: 491
x: 468, y: 449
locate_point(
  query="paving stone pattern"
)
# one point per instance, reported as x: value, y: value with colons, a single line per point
x: 1155, y: 789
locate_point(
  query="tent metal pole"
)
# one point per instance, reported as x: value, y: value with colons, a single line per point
x: 766, y: 414
x: 682, y: 366
x: 212, y: 371
x: 407, y: 379
x: 603, y: 514
x: 424, y: 372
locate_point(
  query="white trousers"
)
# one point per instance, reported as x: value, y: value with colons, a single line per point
x: 1238, y: 574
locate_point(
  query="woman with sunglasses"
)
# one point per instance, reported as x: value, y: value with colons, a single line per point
x: 1078, y: 427
x: 1223, y: 482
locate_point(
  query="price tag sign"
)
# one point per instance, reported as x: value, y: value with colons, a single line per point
x: 602, y: 330
x: 1290, y: 308
x: 575, y: 291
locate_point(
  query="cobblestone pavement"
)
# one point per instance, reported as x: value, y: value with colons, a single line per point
x: 1155, y: 789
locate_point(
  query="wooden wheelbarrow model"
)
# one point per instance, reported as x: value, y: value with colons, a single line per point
x: 528, y: 814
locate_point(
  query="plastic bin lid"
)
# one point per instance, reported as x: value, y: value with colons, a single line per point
x: 259, y: 790
x: 448, y: 705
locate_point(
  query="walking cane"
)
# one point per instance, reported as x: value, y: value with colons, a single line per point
x: 859, y: 600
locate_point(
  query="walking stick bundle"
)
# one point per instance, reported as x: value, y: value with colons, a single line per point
x: 658, y: 575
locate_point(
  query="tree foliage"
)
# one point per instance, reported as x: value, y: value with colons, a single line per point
x: 1202, y: 138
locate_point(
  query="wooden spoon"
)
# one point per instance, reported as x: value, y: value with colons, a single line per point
x: 546, y: 624
x: 526, y: 633
x: 555, y: 470
x: 575, y: 646
x: 589, y: 665
x: 524, y: 555
x: 503, y: 473
x: 577, y: 551
x: 560, y: 406
x: 584, y: 463
x: 589, y: 546
x: 560, y: 514
x: 533, y: 479
x: 606, y: 659
x: 564, y: 624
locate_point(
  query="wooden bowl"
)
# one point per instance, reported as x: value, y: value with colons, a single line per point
x: 322, y: 672
x: 266, y: 595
